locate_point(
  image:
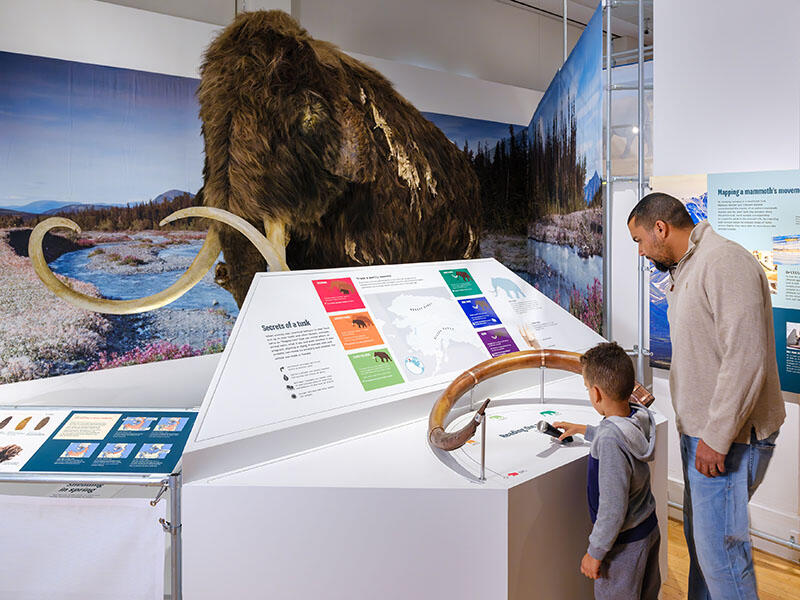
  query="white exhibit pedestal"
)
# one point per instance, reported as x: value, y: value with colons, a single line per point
x: 309, y: 475
x: 381, y: 514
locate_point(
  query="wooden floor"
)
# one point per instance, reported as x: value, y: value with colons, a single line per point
x: 778, y: 579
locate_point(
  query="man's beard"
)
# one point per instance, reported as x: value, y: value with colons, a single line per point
x: 663, y: 267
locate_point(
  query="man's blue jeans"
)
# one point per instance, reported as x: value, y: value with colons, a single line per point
x: 716, y: 522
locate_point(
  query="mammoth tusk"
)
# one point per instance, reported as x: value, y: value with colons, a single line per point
x: 200, y: 265
x: 456, y: 439
x: 528, y: 359
x: 264, y: 246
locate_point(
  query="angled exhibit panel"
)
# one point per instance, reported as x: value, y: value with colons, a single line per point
x: 317, y: 356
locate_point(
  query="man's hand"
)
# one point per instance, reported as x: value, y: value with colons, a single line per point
x: 569, y: 429
x: 590, y: 566
x: 708, y: 461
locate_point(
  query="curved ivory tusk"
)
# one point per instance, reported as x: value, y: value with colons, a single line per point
x: 264, y: 246
x: 528, y: 359
x: 200, y: 265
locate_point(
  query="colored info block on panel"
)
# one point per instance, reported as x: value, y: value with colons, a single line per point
x: 460, y: 282
x: 497, y: 341
x: 375, y: 369
x: 338, y: 294
x: 356, y: 330
x: 479, y: 312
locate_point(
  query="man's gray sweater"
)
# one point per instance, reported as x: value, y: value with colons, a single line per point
x: 619, y: 478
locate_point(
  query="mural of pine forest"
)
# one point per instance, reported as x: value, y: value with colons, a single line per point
x: 540, y: 185
x: 118, y: 150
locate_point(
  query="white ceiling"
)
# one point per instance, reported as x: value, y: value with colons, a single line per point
x: 515, y: 42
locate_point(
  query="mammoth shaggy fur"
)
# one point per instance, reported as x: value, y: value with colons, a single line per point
x: 300, y: 134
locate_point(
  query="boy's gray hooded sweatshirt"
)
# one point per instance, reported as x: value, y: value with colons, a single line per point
x: 620, y: 483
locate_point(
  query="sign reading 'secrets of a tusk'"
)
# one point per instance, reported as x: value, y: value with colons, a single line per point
x: 528, y: 359
x: 204, y: 260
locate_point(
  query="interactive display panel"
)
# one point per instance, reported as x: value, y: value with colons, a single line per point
x: 311, y: 344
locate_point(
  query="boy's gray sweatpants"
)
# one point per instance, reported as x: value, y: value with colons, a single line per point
x: 630, y: 571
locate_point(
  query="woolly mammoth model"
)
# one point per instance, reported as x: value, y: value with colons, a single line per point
x: 316, y: 159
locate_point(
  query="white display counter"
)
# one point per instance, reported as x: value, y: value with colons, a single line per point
x: 349, y: 500
x: 381, y: 515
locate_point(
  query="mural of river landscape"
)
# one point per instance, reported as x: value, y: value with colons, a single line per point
x: 565, y: 212
x: 115, y: 150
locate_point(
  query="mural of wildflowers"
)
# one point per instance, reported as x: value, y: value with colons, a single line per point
x: 63, y: 338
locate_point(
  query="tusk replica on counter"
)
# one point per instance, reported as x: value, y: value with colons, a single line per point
x: 528, y: 359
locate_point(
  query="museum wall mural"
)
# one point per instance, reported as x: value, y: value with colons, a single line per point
x: 117, y: 150
x: 565, y: 212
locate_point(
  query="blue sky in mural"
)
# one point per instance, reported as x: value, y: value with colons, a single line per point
x: 74, y: 132
x: 580, y: 79
x: 461, y: 129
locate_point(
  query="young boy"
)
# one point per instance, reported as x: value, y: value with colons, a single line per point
x: 622, y: 557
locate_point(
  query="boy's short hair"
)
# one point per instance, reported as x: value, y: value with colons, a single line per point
x: 608, y: 367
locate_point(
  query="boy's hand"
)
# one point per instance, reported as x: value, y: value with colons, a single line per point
x: 590, y: 566
x: 569, y: 429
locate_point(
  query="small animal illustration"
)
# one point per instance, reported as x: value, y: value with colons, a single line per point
x: 480, y: 305
x: 41, y: 423
x: 342, y: 287
x: 21, y: 425
x: 286, y: 378
x: 4, y: 422
x: 362, y: 322
x: 511, y: 289
x: 383, y: 356
x: 462, y: 275
x: 289, y: 387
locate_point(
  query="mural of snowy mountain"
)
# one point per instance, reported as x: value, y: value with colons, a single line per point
x: 591, y: 187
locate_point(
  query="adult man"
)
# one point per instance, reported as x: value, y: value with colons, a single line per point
x: 724, y: 385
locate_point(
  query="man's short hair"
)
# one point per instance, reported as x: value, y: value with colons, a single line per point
x: 608, y: 367
x: 661, y: 207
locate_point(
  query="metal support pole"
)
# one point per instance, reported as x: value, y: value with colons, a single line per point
x: 565, y: 32
x: 176, y: 549
x: 640, y: 177
x: 607, y: 198
x: 541, y: 385
x: 483, y: 447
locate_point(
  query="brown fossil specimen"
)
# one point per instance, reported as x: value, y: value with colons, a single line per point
x: 4, y: 422
x: 9, y: 452
x: 41, y: 423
